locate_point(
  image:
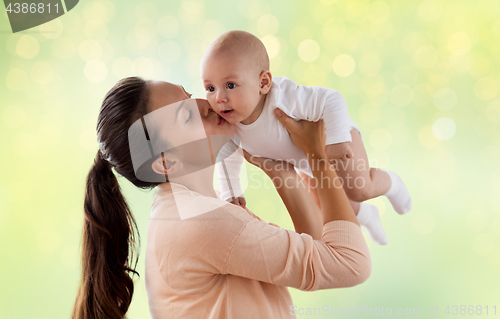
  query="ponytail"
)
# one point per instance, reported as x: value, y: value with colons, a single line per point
x: 108, y: 240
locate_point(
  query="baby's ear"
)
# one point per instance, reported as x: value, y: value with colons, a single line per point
x: 265, y: 81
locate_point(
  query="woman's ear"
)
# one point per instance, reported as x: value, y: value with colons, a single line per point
x: 167, y: 165
x: 265, y: 81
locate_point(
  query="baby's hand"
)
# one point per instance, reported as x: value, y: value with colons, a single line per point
x: 239, y: 201
x: 342, y: 151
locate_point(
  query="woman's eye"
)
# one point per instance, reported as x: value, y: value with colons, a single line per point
x: 189, y: 116
x: 210, y: 89
x: 231, y: 85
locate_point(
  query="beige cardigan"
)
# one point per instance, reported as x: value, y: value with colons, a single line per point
x: 228, y: 263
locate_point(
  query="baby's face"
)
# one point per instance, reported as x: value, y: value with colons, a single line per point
x: 232, y: 86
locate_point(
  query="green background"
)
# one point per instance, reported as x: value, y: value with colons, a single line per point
x: 421, y: 79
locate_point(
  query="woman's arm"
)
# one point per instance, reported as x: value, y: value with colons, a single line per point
x: 285, y: 258
x: 310, y: 138
x: 304, y: 212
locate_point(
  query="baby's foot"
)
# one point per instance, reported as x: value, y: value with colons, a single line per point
x: 369, y: 219
x: 398, y: 194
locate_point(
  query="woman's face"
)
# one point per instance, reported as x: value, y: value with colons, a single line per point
x: 183, y: 123
x: 193, y: 131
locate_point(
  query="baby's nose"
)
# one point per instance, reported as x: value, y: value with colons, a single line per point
x: 220, y: 97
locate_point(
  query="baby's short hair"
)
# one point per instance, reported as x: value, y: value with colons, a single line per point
x: 244, y: 44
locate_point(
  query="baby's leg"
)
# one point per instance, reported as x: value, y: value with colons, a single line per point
x: 367, y: 214
x: 369, y: 218
x: 362, y: 182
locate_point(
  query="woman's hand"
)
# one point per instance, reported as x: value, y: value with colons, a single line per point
x: 308, y: 136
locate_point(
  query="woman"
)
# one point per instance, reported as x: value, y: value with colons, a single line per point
x: 225, y: 262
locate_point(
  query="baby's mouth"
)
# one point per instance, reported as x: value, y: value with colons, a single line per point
x: 227, y: 113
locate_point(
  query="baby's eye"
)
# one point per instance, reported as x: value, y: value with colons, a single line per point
x: 231, y: 85
x: 210, y: 88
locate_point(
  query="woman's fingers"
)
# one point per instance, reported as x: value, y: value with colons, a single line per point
x: 306, y: 135
x: 290, y: 124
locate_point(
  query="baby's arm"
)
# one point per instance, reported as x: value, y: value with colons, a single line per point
x: 239, y: 201
x: 229, y: 163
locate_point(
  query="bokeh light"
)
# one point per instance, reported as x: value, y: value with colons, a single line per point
x: 17, y: 79
x: 168, y: 26
x: 379, y: 11
x: 486, y: 89
x: 309, y: 50
x: 267, y: 25
x: 401, y: 95
x: 444, y: 128
x: 42, y: 72
x: 27, y: 47
x: 272, y: 45
x: 343, y: 65
x: 430, y: 10
x: 95, y: 71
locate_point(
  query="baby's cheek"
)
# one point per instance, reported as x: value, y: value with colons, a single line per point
x: 211, y: 99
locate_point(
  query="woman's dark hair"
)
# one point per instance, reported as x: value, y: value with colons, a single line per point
x: 109, y: 241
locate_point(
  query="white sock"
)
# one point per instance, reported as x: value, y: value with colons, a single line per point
x: 369, y: 219
x: 398, y: 194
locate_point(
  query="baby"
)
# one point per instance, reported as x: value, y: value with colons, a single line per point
x: 241, y: 89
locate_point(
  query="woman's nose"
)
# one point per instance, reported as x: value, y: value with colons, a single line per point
x: 204, y: 107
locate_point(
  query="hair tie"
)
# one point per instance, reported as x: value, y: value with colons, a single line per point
x: 102, y: 150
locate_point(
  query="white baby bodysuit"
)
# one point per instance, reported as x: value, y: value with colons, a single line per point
x: 267, y: 137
